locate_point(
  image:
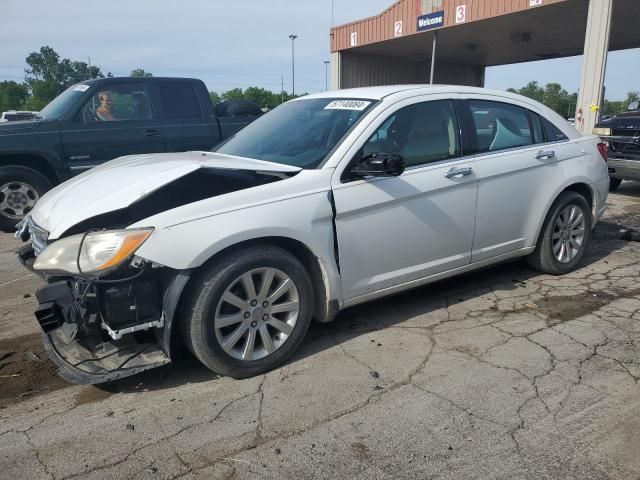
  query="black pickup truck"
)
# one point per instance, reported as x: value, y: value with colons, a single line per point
x: 99, y: 120
x: 622, y: 136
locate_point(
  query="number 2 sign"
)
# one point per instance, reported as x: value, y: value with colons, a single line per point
x: 397, y: 29
x: 461, y: 14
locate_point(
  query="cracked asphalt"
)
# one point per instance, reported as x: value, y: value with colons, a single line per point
x: 503, y: 373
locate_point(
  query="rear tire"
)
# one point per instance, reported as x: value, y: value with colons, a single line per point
x: 229, y: 349
x: 614, y: 183
x: 20, y: 189
x: 556, y: 241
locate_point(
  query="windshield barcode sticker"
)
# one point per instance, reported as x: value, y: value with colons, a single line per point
x: 81, y: 88
x: 347, y: 105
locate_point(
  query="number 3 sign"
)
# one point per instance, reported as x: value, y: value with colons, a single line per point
x: 461, y: 14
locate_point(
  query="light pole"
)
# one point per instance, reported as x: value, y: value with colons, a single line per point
x: 326, y: 74
x: 293, y: 65
x: 332, y: 23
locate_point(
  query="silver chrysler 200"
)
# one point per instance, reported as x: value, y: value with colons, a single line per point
x: 326, y: 202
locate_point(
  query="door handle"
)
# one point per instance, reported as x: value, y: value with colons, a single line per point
x: 151, y: 133
x: 545, y: 154
x: 458, y: 172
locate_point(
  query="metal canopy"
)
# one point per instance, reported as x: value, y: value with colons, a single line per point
x: 554, y: 31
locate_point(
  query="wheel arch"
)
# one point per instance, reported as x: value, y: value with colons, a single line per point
x: 35, y: 161
x: 324, y: 308
x: 578, y: 187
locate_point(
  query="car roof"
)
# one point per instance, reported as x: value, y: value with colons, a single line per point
x: 109, y: 79
x: 378, y: 93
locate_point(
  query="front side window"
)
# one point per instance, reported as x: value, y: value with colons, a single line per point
x: 118, y: 102
x: 499, y: 126
x: 300, y: 133
x: 421, y: 133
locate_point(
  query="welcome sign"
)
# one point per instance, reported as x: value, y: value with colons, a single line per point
x: 430, y: 20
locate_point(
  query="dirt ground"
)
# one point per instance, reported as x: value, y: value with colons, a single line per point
x: 503, y: 373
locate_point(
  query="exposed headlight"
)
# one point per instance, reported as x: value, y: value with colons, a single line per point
x: 101, y: 253
x: 602, y: 132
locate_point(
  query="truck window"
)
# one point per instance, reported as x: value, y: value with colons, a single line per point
x: 117, y: 103
x: 179, y: 100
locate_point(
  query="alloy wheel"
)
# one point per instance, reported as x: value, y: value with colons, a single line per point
x: 256, y: 314
x: 568, y: 233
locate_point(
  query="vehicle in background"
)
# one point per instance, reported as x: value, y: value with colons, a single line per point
x: 621, y: 133
x: 572, y: 121
x: 328, y: 201
x: 17, y: 115
x: 99, y: 120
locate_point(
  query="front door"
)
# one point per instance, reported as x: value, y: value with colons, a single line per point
x: 393, y: 231
x: 117, y: 120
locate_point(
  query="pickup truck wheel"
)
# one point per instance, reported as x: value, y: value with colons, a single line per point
x: 614, y: 183
x: 249, y: 312
x: 20, y: 189
x: 565, y: 235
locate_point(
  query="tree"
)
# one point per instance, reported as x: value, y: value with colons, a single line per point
x: 47, y: 76
x: 139, y: 72
x: 552, y: 95
x: 233, y: 94
x: 531, y: 90
x: 215, y: 98
x: 13, y: 95
x: 633, y: 96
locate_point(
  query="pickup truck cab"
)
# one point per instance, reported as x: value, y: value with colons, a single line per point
x: 622, y: 136
x: 99, y: 120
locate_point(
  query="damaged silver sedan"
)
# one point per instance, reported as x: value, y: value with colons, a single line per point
x: 326, y: 202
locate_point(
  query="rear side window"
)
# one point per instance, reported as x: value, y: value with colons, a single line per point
x: 553, y: 133
x: 179, y: 100
x: 499, y: 126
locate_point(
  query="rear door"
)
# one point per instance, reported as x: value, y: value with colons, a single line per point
x: 187, y: 118
x: 394, y: 231
x: 519, y: 171
x: 116, y: 120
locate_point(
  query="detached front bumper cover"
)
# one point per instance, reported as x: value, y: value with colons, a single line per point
x: 76, y: 341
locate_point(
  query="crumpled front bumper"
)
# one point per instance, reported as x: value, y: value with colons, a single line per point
x: 94, y: 358
x: 77, y: 364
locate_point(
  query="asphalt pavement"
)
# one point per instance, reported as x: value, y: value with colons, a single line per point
x: 504, y: 373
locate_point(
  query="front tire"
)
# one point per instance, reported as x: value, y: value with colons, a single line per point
x: 20, y: 189
x: 249, y: 312
x: 565, y: 235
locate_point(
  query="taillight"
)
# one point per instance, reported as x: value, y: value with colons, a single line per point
x: 602, y: 148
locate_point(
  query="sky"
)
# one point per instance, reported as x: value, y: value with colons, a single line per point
x: 230, y: 44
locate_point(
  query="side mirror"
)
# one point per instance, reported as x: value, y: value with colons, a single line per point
x: 379, y: 165
x: 634, y: 106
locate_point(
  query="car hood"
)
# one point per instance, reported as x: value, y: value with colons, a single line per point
x: 117, y: 184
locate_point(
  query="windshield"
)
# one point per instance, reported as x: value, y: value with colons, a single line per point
x: 299, y: 133
x: 63, y: 102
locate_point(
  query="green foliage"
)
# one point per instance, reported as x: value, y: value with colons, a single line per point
x: 139, y: 72
x: 557, y: 98
x: 47, y: 76
x: 13, y: 95
x: 264, y: 98
x: 552, y: 95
